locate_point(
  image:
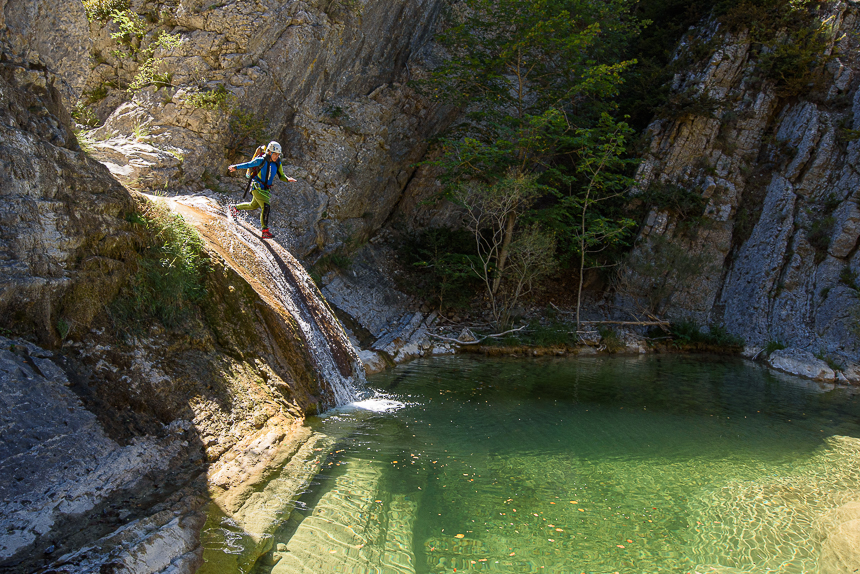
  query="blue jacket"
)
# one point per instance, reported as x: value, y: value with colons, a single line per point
x: 267, y: 173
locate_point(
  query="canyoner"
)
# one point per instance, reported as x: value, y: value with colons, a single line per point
x: 262, y: 169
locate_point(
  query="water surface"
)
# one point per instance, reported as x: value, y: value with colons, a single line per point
x: 609, y: 464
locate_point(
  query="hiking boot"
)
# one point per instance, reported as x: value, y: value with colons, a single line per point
x: 233, y: 211
x: 266, y: 234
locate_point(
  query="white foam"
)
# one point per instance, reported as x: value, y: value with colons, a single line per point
x: 378, y: 405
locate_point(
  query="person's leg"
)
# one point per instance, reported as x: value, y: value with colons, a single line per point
x: 264, y: 216
x: 251, y: 204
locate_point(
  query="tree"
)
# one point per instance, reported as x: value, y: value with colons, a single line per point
x: 602, y: 168
x: 491, y: 215
x: 534, y: 78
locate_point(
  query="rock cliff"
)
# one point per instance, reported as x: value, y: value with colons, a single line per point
x: 116, y: 445
x: 325, y: 78
x: 774, y: 256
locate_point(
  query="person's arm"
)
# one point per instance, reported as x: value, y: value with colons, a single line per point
x: 281, y: 174
x: 253, y: 163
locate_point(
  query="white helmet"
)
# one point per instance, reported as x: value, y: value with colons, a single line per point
x: 273, y: 147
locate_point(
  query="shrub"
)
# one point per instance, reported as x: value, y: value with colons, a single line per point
x: 849, y: 278
x: 689, y: 334
x: 792, y: 43
x: 774, y: 345
x: 440, y: 259
x: 609, y: 339
x: 170, y: 278
x: 101, y: 10
x: 219, y: 98
x: 683, y: 203
x: 246, y: 130
x: 688, y: 103
x: 84, y: 115
x: 818, y: 234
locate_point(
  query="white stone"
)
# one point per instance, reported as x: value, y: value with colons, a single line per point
x: 801, y: 363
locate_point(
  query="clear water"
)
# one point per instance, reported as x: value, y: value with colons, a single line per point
x: 640, y: 464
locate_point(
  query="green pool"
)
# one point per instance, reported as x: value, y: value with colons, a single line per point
x: 614, y: 464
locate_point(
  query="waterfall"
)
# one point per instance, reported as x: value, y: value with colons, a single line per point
x: 287, y: 285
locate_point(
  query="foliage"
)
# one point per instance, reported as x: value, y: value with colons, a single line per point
x: 791, y: 42
x: 130, y: 37
x: 102, y: 10
x: 689, y: 333
x: 442, y: 261
x: 539, y: 143
x: 140, y: 132
x: 848, y: 277
x: 818, y: 234
x: 831, y: 362
x: 148, y: 75
x: 689, y: 103
x: 785, y: 34
x: 531, y: 56
x: 131, y: 26
x: 219, y: 98
x: 97, y: 94
x: 774, y: 345
x: 549, y: 334
x: 600, y: 168
x: 609, y: 339
x: 246, y: 130
x: 680, y: 202
x: 85, y: 140
x: 63, y: 328
x: 170, y: 277
x: 491, y: 216
x: 84, y: 115
x: 669, y: 266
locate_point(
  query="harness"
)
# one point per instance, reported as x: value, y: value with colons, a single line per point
x: 268, y: 167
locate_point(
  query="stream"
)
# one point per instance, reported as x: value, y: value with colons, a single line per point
x: 600, y: 464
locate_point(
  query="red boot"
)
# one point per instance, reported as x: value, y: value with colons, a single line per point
x: 266, y: 234
x: 234, y: 212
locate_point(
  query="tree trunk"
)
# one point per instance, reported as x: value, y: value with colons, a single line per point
x: 503, y: 252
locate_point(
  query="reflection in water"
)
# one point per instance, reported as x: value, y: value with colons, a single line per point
x: 648, y: 464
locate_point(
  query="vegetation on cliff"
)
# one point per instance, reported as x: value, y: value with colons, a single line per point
x: 553, y: 94
x: 170, y: 276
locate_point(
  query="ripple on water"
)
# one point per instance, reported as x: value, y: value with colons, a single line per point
x: 570, y: 466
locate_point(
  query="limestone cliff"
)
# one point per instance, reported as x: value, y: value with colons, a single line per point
x: 116, y: 444
x: 325, y: 78
x: 774, y: 257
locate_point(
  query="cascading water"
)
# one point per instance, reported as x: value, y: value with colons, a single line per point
x: 285, y: 285
x: 291, y: 286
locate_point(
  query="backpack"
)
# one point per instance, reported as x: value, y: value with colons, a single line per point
x: 252, y: 171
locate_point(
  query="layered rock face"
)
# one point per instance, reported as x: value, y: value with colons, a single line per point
x: 63, y: 236
x: 112, y: 450
x: 326, y: 79
x: 775, y: 256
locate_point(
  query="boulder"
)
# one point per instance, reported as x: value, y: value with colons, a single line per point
x: 841, y: 551
x: 801, y: 363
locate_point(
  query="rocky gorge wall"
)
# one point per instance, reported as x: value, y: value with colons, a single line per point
x: 774, y: 257
x: 115, y: 447
x: 325, y: 78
